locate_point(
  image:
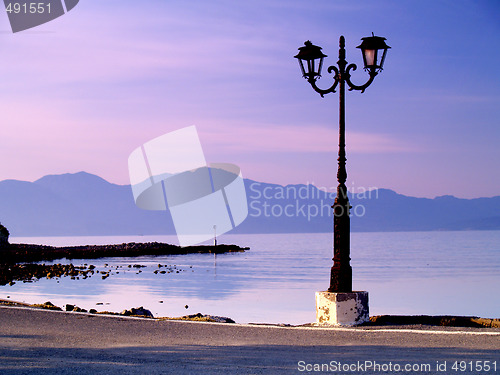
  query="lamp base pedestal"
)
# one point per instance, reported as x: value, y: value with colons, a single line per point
x: 341, y: 309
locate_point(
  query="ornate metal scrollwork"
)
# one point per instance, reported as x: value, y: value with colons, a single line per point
x: 337, y: 79
x: 351, y: 85
x: 342, y: 76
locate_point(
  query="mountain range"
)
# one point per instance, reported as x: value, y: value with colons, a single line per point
x: 82, y: 204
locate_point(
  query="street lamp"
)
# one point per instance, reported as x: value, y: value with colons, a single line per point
x: 374, y: 50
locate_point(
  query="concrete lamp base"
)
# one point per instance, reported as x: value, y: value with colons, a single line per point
x: 342, y: 309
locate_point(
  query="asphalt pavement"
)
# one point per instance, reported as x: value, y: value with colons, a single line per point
x: 50, y: 342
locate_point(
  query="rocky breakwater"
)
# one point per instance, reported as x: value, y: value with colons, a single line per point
x: 17, y: 253
x: 18, y: 261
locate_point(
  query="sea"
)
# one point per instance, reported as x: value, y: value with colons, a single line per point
x: 410, y: 273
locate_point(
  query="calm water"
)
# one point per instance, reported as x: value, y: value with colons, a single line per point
x: 405, y: 273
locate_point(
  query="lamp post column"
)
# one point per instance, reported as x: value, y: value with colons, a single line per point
x: 339, y: 305
x: 341, y: 273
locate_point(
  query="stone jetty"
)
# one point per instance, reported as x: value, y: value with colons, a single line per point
x: 18, y: 262
x: 17, y: 253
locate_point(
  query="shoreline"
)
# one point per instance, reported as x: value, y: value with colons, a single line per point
x: 396, y: 325
x: 376, y: 322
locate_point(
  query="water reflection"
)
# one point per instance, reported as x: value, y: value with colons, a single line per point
x: 405, y: 273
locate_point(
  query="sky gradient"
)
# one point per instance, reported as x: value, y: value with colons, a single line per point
x: 85, y: 90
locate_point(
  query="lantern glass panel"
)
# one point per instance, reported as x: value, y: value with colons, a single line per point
x: 370, y: 57
x: 320, y: 66
x: 301, y: 64
x: 383, y: 59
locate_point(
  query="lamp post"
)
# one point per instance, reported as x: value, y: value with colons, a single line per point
x: 374, y: 50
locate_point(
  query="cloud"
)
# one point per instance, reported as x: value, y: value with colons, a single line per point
x: 448, y: 97
x: 101, y: 44
x: 311, y: 138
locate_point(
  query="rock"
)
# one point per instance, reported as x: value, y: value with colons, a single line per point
x: 137, y: 311
x: 74, y: 308
x: 219, y: 319
x: 93, y: 311
x: 4, y: 235
x: 208, y: 318
x: 47, y: 305
x: 484, y: 322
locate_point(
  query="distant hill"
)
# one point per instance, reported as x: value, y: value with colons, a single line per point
x: 85, y: 204
x: 75, y: 204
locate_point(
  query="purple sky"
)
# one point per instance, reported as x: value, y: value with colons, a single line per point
x: 83, y: 91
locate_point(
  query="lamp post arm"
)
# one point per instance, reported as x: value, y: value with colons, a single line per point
x: 351, y: 85
x: 322, y: 92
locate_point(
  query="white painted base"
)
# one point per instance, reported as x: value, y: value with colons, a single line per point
x: 342, y: 309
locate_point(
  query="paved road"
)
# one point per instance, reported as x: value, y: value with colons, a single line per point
x: 40, y: 341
